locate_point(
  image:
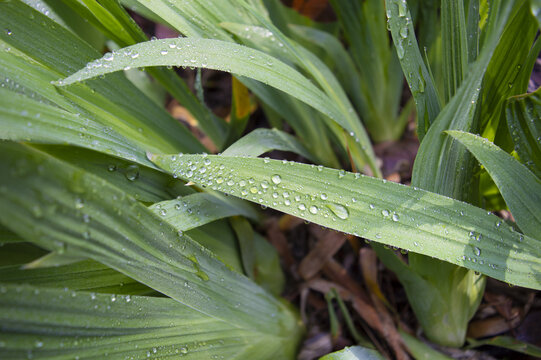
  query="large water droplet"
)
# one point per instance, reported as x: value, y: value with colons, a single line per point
x: 276, y: 179
x: 404, y: 32
x: 132, y: 172
x: 341, y: 211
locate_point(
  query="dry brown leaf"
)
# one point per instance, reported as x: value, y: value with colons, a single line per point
x: 328, y: 244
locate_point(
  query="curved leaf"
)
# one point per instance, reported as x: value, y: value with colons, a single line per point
x: 393, y: 214
x: 223, y: 56
x: 520, y: 188
x: 523, y: 114
x: 261, y: 141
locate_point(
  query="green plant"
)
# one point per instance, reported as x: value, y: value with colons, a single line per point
x: 94, y: 169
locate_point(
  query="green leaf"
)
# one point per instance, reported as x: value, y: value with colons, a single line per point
x: 85, y: 275
x: 419, y: 79
x: 261, y: 141
x: 455, y: 46
x: 194, y: 210
x: 49, y: 323
x: 126, y: 236
x: 536, y: 10
x: 229, y: 57
x: 419, y: 350
x: 142, y: 182
x: 113, y: 100
x: 393, y: 214
x: 520, y: 188
x: 523, y: 113
x: 440, y: 158
x: 24, y: 119
x: 354, y: 353
x: 508, y: 343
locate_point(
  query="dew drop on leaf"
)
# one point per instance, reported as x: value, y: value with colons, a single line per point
x: 276, y: 179
x: 340, y: 211
x: 132, y: 172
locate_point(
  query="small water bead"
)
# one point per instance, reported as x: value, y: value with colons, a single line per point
x: 287, y: 202
x: 242, y: 183
x: 323, y: 196
x: 313, y: 209
x: 253, y: 190
x: 230, y: 182
x: 111, y: 167
x: 476, y: 251
x: 264, y: 185
x: 371, y: 206
x: 302, y: 207
x: 276, y: 179
x: 341, y: 174
x: 385, y: 213
x: 79, y: 203
x: 395, y: 217
x: 108, y: 57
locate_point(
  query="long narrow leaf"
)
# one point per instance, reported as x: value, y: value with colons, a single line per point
x: 128, y: 237
x: 44, y: 323
x: 409, y: 218
x: 523, y: 113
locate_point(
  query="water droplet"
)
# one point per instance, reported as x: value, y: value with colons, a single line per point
x: 371, y: 206
x: 476, y: 250
x: 264, y: 184
x: 253, y: 190
x: 108, y: 57
x: 8, y: 32
x: 79, y: 204
x: 339, y: 210
x: 404, y: 32
x: 276, y: 179
x: 313, y: 209
x: 341, y: 174
x: 395, y: 217
x: 132, y: 172
x: 302, y: 207
x: 324, y: 196
x: 111, y: 167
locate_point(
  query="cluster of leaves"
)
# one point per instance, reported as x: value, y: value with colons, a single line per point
x: 105, y: 251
